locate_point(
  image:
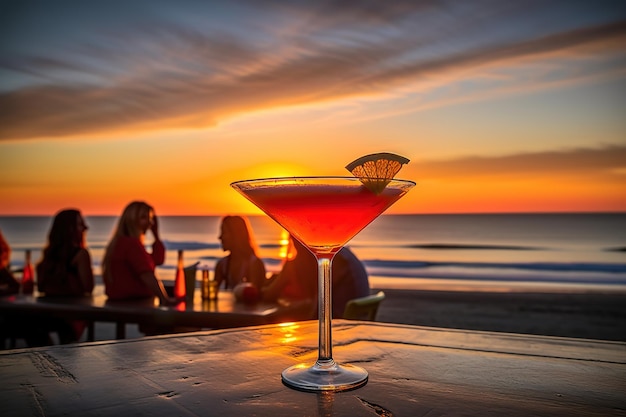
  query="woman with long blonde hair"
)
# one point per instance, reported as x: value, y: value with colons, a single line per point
x: 127, y: 267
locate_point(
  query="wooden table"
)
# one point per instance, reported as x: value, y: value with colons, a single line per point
x: 225, y: 312
x: 413, y: 371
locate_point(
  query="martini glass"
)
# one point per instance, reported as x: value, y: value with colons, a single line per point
x: 323, y: 213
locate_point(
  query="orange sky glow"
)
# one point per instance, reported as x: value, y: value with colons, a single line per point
x: 506, y: 111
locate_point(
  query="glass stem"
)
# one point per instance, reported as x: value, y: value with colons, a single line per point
x: 325, y: 303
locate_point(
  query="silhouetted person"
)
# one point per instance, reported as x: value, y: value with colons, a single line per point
x: 128, y: 269
x: 243, y: 263
x: 34, y: 332
x: 65, y: 269
x: 298, y: 279
x: 8, y: 283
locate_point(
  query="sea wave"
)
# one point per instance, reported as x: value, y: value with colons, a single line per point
x: 411, y: 267
x: 618, y: 249
x: 189, y: 245
x: 530, y: 266
x: 454, y: 246
x: 474, y: 246
x: 194, y: 245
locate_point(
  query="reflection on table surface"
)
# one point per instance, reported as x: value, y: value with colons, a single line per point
x: 236, y: 372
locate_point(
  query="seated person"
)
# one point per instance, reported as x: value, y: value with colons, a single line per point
x: 9, y: 329
x: 65, y: 269
x: 298, y: 279
x: 242, y: 263
x: 33, y: 332
x: 8, y: 283
x: 128, y: 269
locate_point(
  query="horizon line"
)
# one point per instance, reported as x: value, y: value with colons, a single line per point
x: 384, y: 214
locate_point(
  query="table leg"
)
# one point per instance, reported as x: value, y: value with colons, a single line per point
x: 120, y: 330
x: 91, y: 331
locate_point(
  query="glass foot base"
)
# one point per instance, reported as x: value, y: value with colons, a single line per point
x: 324, y: 376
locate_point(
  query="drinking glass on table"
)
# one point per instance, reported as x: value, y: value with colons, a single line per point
x: 210, y: 286
x: 323, y: 213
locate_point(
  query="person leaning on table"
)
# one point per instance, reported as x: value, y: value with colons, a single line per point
x: 127, y: 267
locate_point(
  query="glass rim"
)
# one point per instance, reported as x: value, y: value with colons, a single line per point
x: 318, y: 177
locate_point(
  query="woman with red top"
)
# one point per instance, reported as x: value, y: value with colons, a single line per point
x: 127, y: 267
x: 8, y: 283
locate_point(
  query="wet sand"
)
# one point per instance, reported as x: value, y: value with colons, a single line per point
x: 593, y: 315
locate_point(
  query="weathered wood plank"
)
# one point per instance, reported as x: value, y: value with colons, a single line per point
x: 414, y: 371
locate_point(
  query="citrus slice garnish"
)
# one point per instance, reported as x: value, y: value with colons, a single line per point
x: 377, y: 169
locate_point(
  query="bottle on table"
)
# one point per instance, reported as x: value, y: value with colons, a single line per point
x: 179, y: 282
x: 205, y: 284
x: 28, y: 276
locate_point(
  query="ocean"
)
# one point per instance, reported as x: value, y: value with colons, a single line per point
x: 505, y: 252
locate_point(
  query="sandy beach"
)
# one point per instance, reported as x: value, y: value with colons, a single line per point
x: 589, y: 315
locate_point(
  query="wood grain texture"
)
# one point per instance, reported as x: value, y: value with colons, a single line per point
x: 414, y: 371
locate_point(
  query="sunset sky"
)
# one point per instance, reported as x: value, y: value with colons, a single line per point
x: 501, y: 106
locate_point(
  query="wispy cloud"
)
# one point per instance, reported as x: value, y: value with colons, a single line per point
x: 607, y: 162
x: 175, y: 76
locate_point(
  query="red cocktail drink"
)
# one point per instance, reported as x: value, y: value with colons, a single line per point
x: 322, y: 216
x: 323, y: 213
